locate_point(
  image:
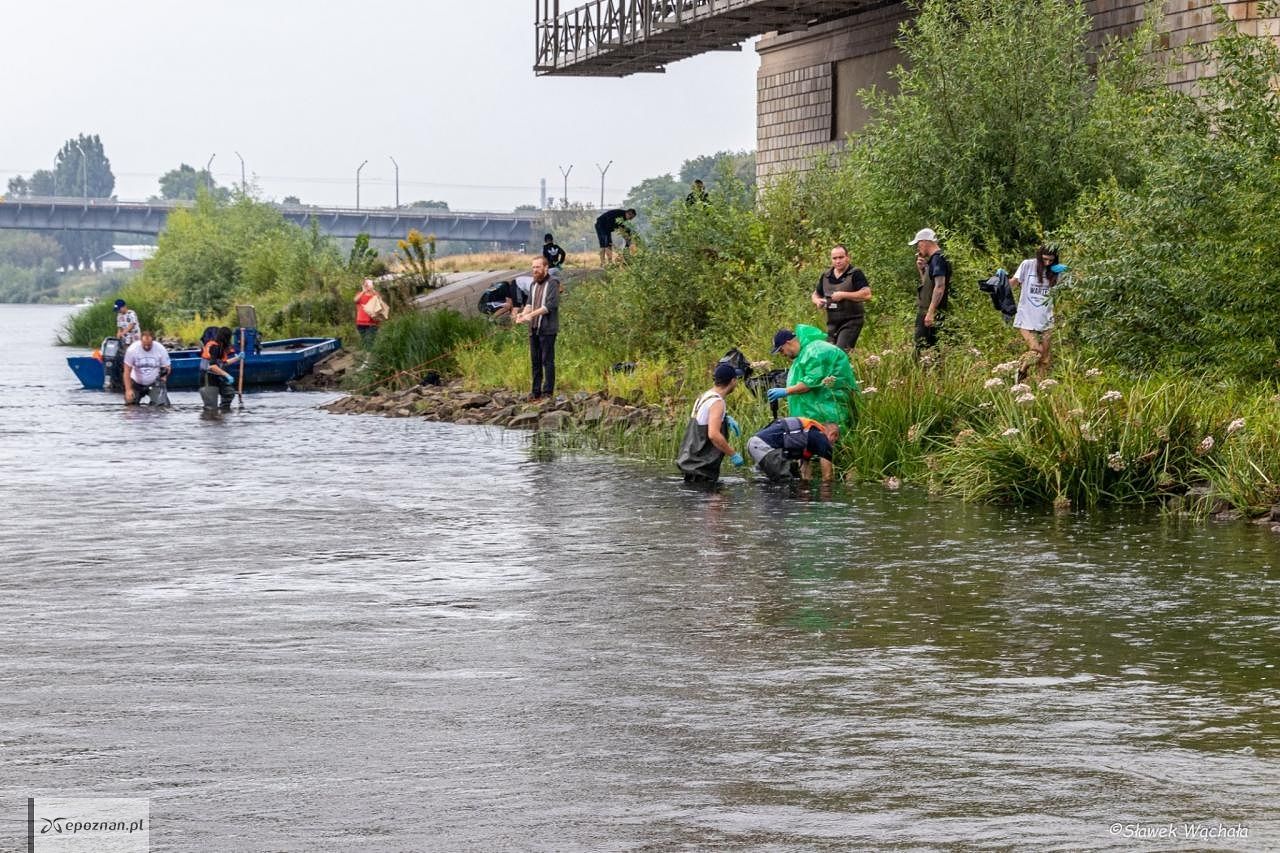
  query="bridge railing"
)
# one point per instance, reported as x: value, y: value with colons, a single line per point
x: 562, y: 38
x: 318, y: 210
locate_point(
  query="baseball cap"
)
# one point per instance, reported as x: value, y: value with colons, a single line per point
x: 781, y: 338
x: 725, y: 373
x: 119, y: 303
x: 924, y: 234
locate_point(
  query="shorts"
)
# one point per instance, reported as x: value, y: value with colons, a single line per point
x: 605, y: 236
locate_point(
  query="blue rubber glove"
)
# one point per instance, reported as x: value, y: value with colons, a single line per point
x: 229, y: 380
x: 733, y: 425
x: 736, y: 459
x: 776, y: 394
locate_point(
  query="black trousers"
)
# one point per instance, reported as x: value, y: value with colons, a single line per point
x: 845, y: 334
x: 927, y: 336
x: 542, y: 355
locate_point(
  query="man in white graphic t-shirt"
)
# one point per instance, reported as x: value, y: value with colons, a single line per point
x: 146, y: 365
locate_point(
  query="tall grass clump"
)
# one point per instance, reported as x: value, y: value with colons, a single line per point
x: 408, y: 345
x: 89, y: 325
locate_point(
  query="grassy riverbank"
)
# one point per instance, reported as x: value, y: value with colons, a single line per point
x: 1165, y: 381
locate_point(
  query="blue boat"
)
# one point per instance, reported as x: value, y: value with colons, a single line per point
x: 268, y: 362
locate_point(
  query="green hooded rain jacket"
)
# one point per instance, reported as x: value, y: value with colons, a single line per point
x: 818, y: 360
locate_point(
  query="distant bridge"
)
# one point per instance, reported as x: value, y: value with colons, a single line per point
x: 149, y: 217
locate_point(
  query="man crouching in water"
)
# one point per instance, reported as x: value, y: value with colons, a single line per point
x: 789, y: 440
x: 704, y: 444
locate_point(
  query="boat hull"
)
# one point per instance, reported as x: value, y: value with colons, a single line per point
x: 275, y: 363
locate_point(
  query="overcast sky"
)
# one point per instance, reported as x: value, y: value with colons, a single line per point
x: 307, y: 90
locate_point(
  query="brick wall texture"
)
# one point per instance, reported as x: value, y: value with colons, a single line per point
x: 794, y: 86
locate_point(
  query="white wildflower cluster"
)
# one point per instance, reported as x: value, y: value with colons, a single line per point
x: 1235, y: 426
x: 994, y: 382
x: 895, y: 383
x: 1092, y: 373
x: 1020, y: 388
x: 1047, y: 384
x: 1026, y: 399
x: 887, y: 353
x: 1115, y: 461
x: 869, y: 390
x: 913, y: 433
x: 1205, y: 446
x: 1111, y: 397
x: 873, y: 360
x: 1009, y: 367
x: 986, y: 404
x: 1086, y: 432
x: 1011, y: 432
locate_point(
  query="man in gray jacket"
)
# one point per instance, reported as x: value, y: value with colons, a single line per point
x: 542, y: 315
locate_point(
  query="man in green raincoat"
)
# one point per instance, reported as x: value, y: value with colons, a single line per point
x: 820, y: 383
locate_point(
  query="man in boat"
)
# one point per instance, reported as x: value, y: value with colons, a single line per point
x: 217, y: 384
x: 127, y: 328
x: 146, y: 366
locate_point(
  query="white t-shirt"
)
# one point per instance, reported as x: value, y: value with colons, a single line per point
x: 144, y: 364
x: 1035, y: 301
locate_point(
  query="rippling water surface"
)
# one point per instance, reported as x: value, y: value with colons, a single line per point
x: 299, y: 631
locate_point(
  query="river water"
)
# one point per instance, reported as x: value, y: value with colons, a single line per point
x: 299, y: 631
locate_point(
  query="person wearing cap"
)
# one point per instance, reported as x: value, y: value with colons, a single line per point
x: 820, y: 383
x: 842, y: 292
x: 786, y: 441
x: 704, y: 444
x: 553, y: 253
x: 934, y: 287
x: 127, y: 329
x: 1035, y: 279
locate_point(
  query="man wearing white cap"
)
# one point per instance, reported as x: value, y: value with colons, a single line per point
x: 935, y: 283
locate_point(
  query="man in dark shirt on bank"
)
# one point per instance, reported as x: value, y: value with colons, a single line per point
x: 552, y: 252
x: 934, y: 287
x: 698, y: 194
x: 842, y: 292
x: 606, y: 224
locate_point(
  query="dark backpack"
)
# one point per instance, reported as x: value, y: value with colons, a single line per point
x: 491, y: 300
x: 795, y: 438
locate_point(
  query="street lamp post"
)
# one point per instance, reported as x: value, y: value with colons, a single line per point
x: 244, y: 182
x: 84, y: 170
x: 208, y: 173
x: 54, y: 190
x: 563, y: 171
x: 358, y: 169
x: 397, y: 165
x: 602, y: 171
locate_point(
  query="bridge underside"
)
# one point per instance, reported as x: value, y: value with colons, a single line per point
x: 615, y: 38
x: 108, y: 215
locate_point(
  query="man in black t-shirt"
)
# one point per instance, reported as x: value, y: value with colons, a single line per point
x: 842, y: 292
x: 606, y: 224
x: 552, y: 252
x: 934, y: 287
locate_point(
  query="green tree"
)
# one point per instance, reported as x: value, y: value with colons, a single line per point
x: 430, y: 204
x: 81, y: 169
x: 185, y: 183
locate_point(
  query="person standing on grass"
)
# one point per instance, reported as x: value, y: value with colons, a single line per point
x: 1035, y: 279
x: 542, y: 315
x: 606, y: 224
x: 935, y: 284
x: 843, y: 293
x: 370, y: 311
x: 705, y: 443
